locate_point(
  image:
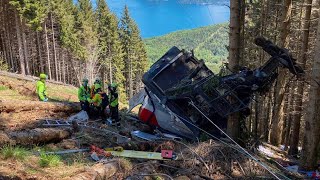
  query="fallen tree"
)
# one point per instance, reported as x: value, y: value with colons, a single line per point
x: 18, y: 106
x: 34, y: 136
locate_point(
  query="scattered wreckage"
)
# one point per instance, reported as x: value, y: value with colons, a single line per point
x: 182, y: 95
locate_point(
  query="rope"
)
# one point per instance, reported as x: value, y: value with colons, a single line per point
x: 251, y: 156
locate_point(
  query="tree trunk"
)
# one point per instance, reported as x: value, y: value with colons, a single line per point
x: 110, y: 65
x: 48, y: 51
x: 312, y: 126
x: 300, y: 84
x: 277, y: 119
x: 34, y: 136
x: 234, y: 53
x: 25, y: 48
x: 41, y: 66
x: 21, y: 58
x: 54, y: 49
x: 130, y: 79
x: 63, y: 68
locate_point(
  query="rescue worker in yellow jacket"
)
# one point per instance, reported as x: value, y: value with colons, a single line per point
x: 41, y: 88
x: 114, y: 104
x: 84, y: 94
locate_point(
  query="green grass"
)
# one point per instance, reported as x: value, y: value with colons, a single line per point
x: 16, y: 152
x: 2, y: 88
x: 49, y: 160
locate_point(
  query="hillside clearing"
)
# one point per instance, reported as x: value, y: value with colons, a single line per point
x: 207, y: 159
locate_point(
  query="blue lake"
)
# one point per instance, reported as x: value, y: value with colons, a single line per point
x: 159, y: 17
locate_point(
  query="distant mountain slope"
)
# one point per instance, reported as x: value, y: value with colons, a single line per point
x: 208, y: 44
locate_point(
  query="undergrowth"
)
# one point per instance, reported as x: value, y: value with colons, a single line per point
x: 2, y: 88
x: 49, y: 160
x: 15, y: 152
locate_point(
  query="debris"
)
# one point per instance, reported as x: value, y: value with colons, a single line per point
x: 144, y: 136
x: 139, y: 135
x: 265, y: 151
x: 99, y: 151
x: 68, y: 151
x: 294, y: 168
x: 142, y: 154
x: 118, y: 148
x: 76, y: 125
x: 94, y: 156
x: 82, y: 116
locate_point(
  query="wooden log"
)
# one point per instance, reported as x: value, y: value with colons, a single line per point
x: 34, y: 136
x: 18, y: 106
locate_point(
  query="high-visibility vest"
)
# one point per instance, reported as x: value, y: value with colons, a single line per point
x: 113, y: 99
x: 83, y: 93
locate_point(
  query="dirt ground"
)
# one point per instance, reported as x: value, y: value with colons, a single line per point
x: 20, y: 110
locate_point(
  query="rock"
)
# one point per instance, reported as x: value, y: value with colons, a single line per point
x: 98, y: 172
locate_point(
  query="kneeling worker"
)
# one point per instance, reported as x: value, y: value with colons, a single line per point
x: 41, y: 88
x: 84, y: 94
x: 113, y: 104
x: 96, y: 102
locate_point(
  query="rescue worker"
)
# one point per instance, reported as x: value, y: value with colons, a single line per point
x: 84, y: 94
x: 113, y: 104
x: 41, y: 88
x: 92, y: 89
x: 96, y: 101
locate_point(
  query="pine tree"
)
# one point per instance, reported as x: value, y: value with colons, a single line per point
x: 134, y: 51
x: 110, y: 48
x: 65, y: 11
x: 33, y: 11
x: 86, y: 27
x: 87, y: 35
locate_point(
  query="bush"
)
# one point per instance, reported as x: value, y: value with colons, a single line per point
x: 17, y: 152
x: 49, y: 160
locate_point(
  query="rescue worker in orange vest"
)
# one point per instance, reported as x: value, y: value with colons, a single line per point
x: 92, y: 89
x: 96, y: 101
x: 114, y: 104
x: 84, y: 94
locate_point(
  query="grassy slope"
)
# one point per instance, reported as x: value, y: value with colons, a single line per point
x: 14, y: 89
x: 208, y: 43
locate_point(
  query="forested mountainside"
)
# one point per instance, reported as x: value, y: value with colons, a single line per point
x: 209, y: 43
x: 69, y: 41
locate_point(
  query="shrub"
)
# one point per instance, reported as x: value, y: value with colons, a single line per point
x: 17, y: 152
x: 49, y: 160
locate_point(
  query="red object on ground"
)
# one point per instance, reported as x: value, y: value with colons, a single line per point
x: 99, y: 151
x: 166, y: 154
x: 148, y: 117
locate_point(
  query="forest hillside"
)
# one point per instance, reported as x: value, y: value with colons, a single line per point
x: 209, y: 43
